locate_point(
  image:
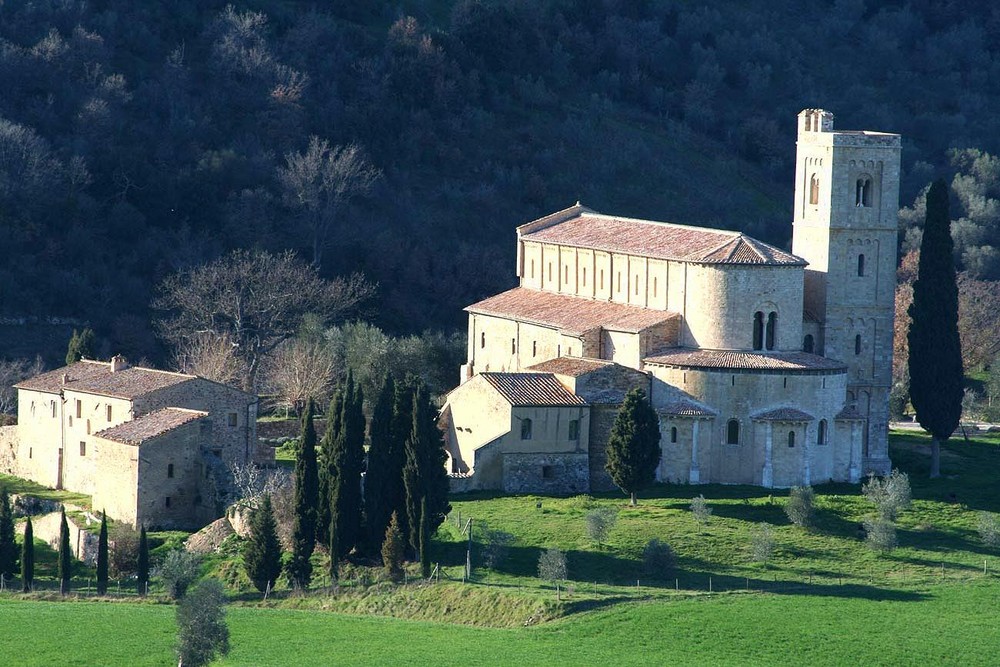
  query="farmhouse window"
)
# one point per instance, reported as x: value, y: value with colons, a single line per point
x: 233, y: 419
x: 109, y: 413
x: 574, y: 429
x: 83, y: 448
x: 79, y: 408
x: 525, y: 429
x: 548, y: 472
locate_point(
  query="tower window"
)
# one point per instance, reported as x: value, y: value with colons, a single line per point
x: 857, y: 344
x: 821, y: 433
x: 807, y: 343
x: 574, y: 429
x: 814, y: 189
x: 733, y: 432
x: 525, y: 429
x: 791, y: 438
x: 772, y: 325
x: 673, y: 434
x: 863, y: 192
x: 758, y: 330
x: 861, y: 265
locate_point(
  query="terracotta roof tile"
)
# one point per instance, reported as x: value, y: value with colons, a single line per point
x: 570, y: 366
x: 95, y: 377
x: 784, y: 415
x: 149, y: 426
x: 661, y: 240
x: 685, y: 407
x: 737, y: 360
x: 568, y: 313
x: 532, y: 389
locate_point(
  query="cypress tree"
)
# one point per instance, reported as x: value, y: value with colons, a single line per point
x: 306, y: 498
x: 262, y: 552
x: 8, y: 543
x: 327, y: 474
x: 142, y: 563
x: 102, y: 557
x: 81, y: 345
x: 384, y: 469
x: 28, y: 557
x: 392, y: 549
x: 425, y: 560
x: 402, y: 424
x: 349, y: 463
x: 633, y: 448
x: 935, y: 361
x: 424, y: 474
x: 65, y: 560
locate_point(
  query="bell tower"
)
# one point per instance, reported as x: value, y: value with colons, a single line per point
x: 844, y: 225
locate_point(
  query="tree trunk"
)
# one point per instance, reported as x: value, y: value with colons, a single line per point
x: 935, y: 458
x: 632, y: 503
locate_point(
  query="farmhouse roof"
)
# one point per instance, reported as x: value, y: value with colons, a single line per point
x: 97, y: 377
x: 736, y: 360
x: 581, y: 227
x: 570, y: 314
x: 150, y: 425
x: 527, y: 389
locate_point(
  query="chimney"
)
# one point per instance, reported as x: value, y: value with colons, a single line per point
x: 65, y: 378
x: 118, y: 363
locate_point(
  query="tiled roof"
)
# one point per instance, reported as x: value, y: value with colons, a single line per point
x: 570, y: 366
x: 687, y: 408
x: 607, y: 397
x: 569, y: 313
x: 95, y: 377
x: 149, y: 426
x: 729, y: 359
x: 532, y: 389
x: 784, y: 415
x: 849, y: 412
x: 646, y: 238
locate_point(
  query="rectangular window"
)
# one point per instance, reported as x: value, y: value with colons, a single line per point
x: 109, y: 413
x: 532, y: 268
x: 548, y: 472
x: 525, y: 429
x: 602, y: 279
x: 83, y: 448
x: 233, y: 420
x: 167, y: 503
x: 584, y: 276
x: 170, y: 470
x: 79, y: 408
x: 637, y: 285
x: 619, y: 287
x: 654, y: 288
x: 31, y: 451
x: 574, y: 429
x: 566, y: 274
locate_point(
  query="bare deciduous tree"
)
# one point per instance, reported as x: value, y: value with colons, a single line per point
x: 12, y: 372
x: 254, y: 299
x: 319, y: 181
x: 299, y: 370
x: 209, y: 356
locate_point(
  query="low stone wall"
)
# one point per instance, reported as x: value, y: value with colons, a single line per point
x: 546, y: 473
x: 82, y: 542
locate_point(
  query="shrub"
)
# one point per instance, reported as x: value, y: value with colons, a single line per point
x: 880, y: 533
x: 496, y: 546
x: 552, y: 566
x: 988, y: 525
x: 700, y: 509
x: 201, y: 625
x: 179, y: 570
x: 761, y: 543
x: 392, y: 550
x: 657, y: 559
x: 800, y: 506
x: 600, y: 521
x: 890, y: 494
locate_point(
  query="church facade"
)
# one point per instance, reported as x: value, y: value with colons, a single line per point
x: 766, y: 367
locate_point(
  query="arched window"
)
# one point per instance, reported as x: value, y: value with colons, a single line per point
x: 863, y: 192
x: 758, y: 330
x: 821, y: 433
x: 814, y: 189
x: 791, y: 438
x: 861, y: 266
x: 525, y: 429
x: 733, y: 432
x: 772, y: 325
x: 673, y: 434
x: 807, y: 343
x: 574, y: 429
x: 857, y: 344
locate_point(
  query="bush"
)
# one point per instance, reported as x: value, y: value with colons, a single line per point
x: 552, y: 565
x: 988, y: 525
x: 600, y: 521
x: 800, y: 506
x: 496, y: 546
x: 179, y: 570
x: 700, y: 509
x: 657, y: 559
x: 761, y: 543
x: 890, y: 494
x: 880, y: 533
x: 201, y: 625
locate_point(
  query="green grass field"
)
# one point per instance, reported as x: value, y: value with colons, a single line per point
x: 824, y: 599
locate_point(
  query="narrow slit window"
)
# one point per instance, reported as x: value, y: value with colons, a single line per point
x: 861, y: 266
x: 584, y: 276
x: 532, y: 268
x: 170, y: 470
x: 673, y: 434
x: 534, y: 348
x: 482, y: 339
x: 791, y: 438
x: 513, y: 345
x: 857, y: 344
x: 233, y: 419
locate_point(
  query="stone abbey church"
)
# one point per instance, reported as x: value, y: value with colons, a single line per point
x: 765, y: 367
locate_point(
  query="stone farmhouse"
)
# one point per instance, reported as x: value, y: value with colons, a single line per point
x: 152, y: 447
x: 765, y: 367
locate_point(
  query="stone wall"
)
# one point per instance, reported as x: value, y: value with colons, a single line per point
x: 602, y: 418
x: 82, y: 542
x: 546, y: 473
x: 8, y: 450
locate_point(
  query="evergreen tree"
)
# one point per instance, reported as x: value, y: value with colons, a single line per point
x: 142, y: 563
x: 65, y: 559
x: 102, y: 557
x: 385, y: 469
x: 262, y: 552
x: 392, y: 549
x: 306, y: 498
x: 349, y: 462
x: 28, y: 557
x: 327, y: 474
x: 633, y: 448
x: 424, y: 475
x: 402, y: 424
x: 935, y: 361
x: 8, y: 543
x: 81, y: 346
x: 425, y: 559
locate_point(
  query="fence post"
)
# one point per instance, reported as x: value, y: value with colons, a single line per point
x: 710, y: 584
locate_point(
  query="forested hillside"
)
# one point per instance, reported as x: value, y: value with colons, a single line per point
x: 139, y: 138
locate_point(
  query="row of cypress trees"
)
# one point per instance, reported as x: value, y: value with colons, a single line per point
x: 405, y: 476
